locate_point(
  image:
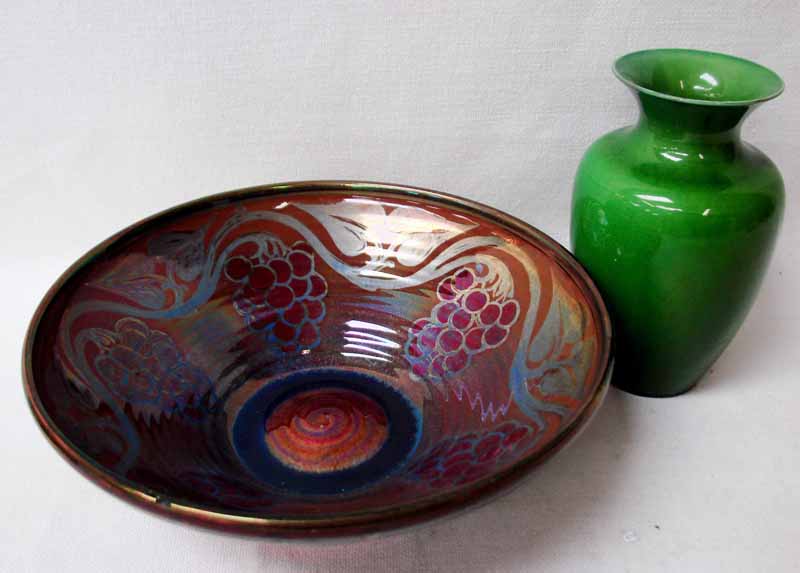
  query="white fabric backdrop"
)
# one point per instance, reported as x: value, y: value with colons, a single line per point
x: 112, y: 111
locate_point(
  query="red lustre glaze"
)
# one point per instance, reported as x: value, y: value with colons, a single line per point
x: 326, y: 430
x: 307, y: 353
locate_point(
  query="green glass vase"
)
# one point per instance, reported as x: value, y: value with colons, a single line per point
x: 676, y: 217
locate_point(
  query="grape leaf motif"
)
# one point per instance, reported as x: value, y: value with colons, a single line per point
x: 135, y: 278
x: 558, y: 357
x: 384, y: 232
x: 184, y: 249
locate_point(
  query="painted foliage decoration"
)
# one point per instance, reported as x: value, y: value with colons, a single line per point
x: 333, y: 352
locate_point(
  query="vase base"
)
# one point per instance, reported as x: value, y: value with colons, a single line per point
x: 655, y: 393
x: 647, y: 394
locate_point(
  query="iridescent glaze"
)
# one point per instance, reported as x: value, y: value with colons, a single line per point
x: 326, y: 430
x: 317, y: 359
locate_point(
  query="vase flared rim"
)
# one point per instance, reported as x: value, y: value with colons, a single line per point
x: 714, y: 60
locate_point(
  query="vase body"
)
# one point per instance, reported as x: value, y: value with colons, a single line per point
x: 675, y: 218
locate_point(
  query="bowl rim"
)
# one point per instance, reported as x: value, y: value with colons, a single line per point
x: 325, y: 525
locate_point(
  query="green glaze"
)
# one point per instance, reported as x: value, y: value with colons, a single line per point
x: 676, y: 217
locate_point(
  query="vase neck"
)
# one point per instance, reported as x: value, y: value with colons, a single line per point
x: 693, y: 102
x: 690, y: 124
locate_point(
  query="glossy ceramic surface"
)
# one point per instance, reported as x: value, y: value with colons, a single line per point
x: 317, y: 358
x: 676, y: 217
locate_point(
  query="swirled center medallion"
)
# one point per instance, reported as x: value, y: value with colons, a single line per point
x: 326, y: 430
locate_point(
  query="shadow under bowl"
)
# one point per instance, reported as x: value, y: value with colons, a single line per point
x: 317, y: 359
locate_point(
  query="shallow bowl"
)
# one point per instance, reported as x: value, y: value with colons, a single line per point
x: 317, y: 359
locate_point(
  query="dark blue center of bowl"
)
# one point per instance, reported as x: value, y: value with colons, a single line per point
x: 326, y: 431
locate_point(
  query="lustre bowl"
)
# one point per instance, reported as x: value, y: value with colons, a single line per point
x: 317, y: 359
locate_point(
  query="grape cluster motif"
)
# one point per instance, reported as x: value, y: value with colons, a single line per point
x: 468, y: 458
x: 280, y: 294
x: 468, y: 320
x: 144, y: 368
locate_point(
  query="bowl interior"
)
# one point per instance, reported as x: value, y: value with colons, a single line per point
x: 314, y: 353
